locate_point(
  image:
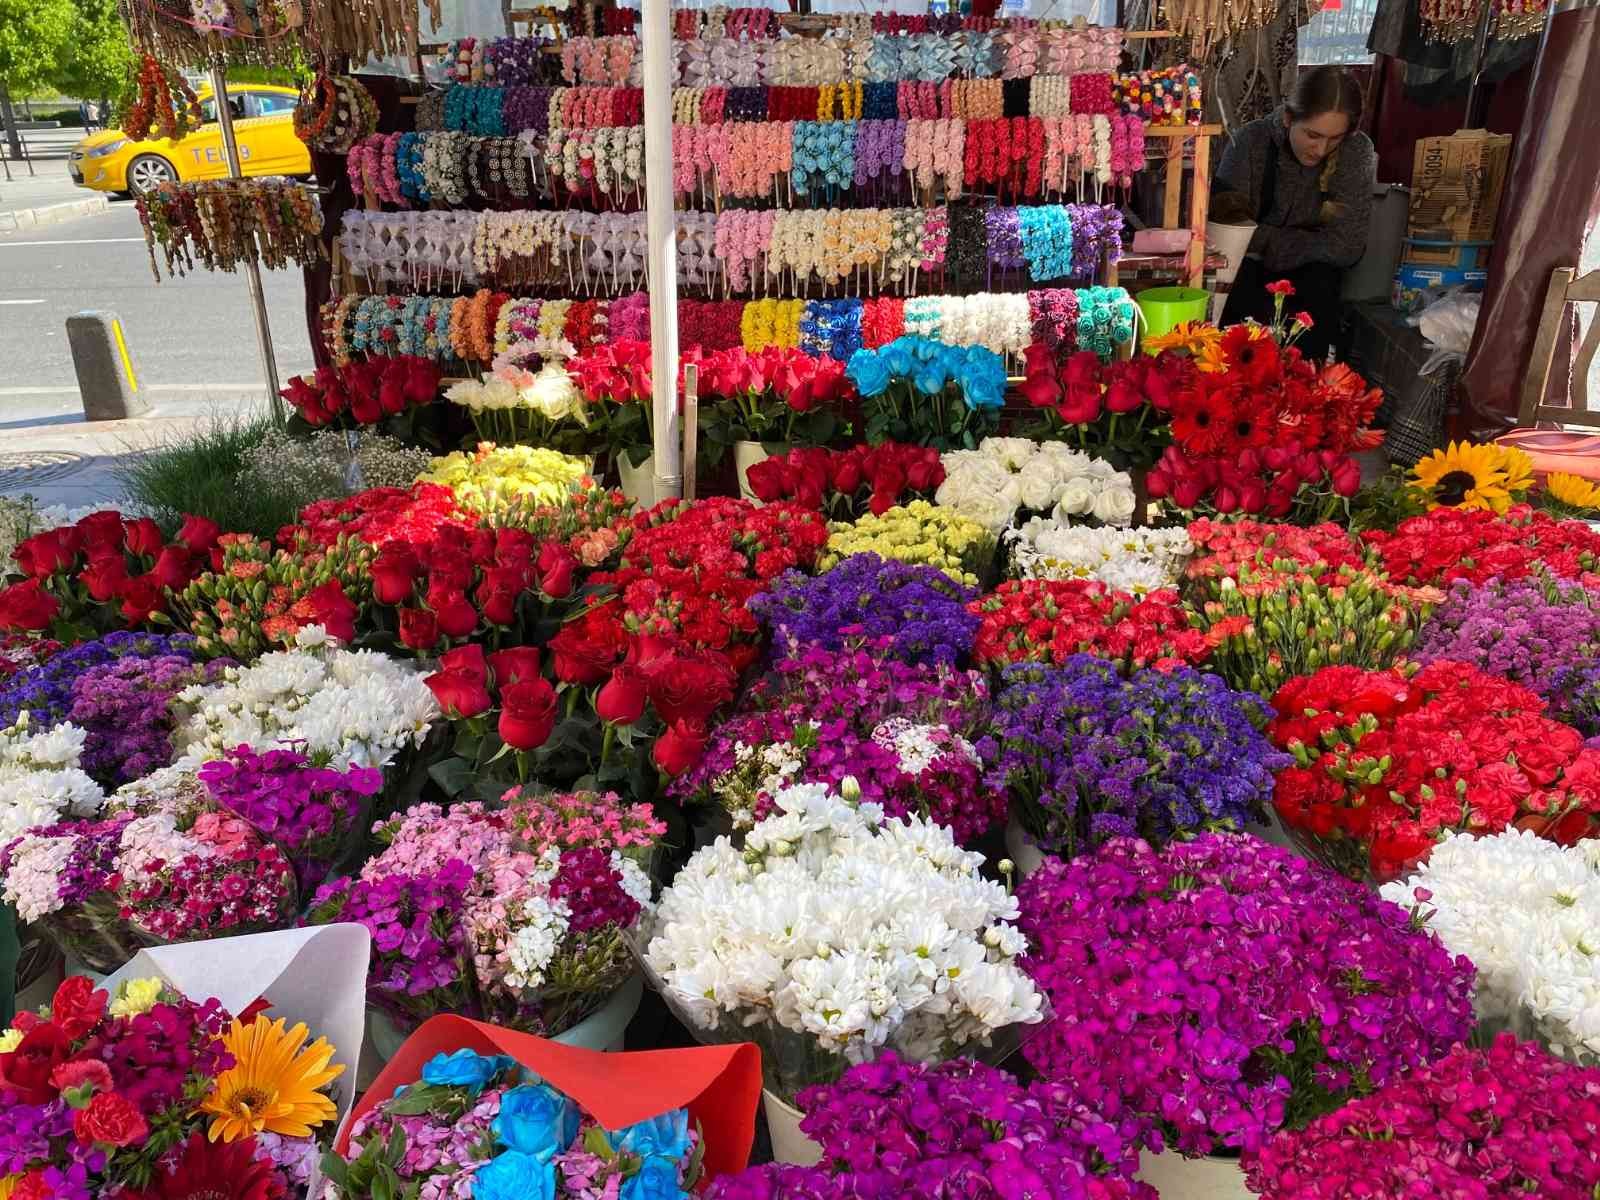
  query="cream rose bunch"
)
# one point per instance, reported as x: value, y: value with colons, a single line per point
x: 1005, y: 475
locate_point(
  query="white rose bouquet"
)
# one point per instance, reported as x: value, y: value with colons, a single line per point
x: 1526, y: 911
x: 515, y: 404
x: 1005, y: 475
x: 1138, y: 561
x: 836, y: 933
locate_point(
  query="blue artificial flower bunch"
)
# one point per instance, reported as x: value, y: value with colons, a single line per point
x: 1046, y: 240
x: 824, y: 154
x: 931, y: 366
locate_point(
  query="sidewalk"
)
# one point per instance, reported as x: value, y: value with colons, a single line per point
x: 71, y: 462
x: 48, y: 195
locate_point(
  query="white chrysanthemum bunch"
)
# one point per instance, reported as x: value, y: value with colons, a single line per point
x: 1139, y: 561
x: 348, y: 707
x: 845, y: 927
x: 1526, y: 911
x: 1005, y: 474
x: 40, y: 779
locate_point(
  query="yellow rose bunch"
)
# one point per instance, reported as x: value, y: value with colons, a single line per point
x: 493, y: 476
x: 918, y: 532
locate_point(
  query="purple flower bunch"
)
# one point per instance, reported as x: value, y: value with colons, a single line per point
x: 311, y: 812
x: 907, y: 733
x: 1527, y: 630
x: 917, y: 612
x: 592, y: 891
x: 959, y: 1131
x: 45, y: 690
x: 1509, y: 1121
x: 1088, y: 755
x: 1225, y: 989
x: 124, y: 708
x: 880, y: 147
x: 1574, y: 695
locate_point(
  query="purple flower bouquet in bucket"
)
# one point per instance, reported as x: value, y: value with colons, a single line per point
x: 1224, y: 989
x: 960, y: 1130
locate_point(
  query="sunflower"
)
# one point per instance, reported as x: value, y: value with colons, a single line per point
x: 274, y: 1084
x: 1464, y: 476
x: 1572, y: 490
x: 207, y: 1172
x: 1189, y: 337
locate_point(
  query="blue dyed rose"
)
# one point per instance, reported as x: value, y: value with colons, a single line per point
x: 515, y: 1176
x: 537, y: 1120
x: 464, y: 1068
x: 897, y: 357
x: 656, y: 1180
x: 666, y: 1136
x: 869, y: 372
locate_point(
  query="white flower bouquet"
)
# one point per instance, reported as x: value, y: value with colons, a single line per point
x: 346, y: 707
x: 1139, y: 561
x: 41, y: 781
x: 1007, y: 474
x: 1526, y: 911
x: 836, y: 933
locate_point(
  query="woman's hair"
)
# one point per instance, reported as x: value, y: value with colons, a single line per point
x: 1326, y: 90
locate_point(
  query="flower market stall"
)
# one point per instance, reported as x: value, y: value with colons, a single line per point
x: 1034, y: 765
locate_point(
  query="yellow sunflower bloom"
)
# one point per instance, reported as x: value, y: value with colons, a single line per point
x: 1572, y: 489
x: 1464, y: 476
x: 1517, y: 466
x: 274, y: 1084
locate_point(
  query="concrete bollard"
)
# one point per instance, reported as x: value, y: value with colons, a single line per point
x: 106, y: 381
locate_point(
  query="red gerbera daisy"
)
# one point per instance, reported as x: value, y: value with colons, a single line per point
x: 216, y: 1171
x: 1252, y: 356
x: 1200, y: 419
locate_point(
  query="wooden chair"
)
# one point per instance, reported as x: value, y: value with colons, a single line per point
x: 1565, y: 288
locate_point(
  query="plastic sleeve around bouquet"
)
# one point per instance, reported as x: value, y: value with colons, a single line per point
x: 92, y: 934
x: 720, y: 1086
x: 792, y: 1061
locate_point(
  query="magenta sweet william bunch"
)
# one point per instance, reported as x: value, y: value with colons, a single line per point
x: 1224, y: 988
x: 958, y: 1130
x: 1509, y: 1121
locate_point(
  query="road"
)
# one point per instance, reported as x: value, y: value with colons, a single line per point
x: 192, y: 339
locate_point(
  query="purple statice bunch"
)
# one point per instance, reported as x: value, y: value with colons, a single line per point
x: 908, y: 733
x: 958, y: 1130
x: 917, y: 612
x: 419, y: 939
x: 1574, y: 695
x: 1087, y: 755
x: 1225, y: 989
x: 124, y: 707
x: 312, y: 812
x: 1508, y: 1121
x: 45, y: 690
x: 1526, y: 630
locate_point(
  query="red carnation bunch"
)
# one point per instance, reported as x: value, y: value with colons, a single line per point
x: 1448, y: 544
x: 1223, y: 548
x: 1115, y: 410
x: 380, y: 515
x: 1386, y: 766
x: 365, y: 392
x: 1256, y: 428
x: 105, y: 562
x: 848, y: 483
x: 674, y: 632
x: 1048, y: 621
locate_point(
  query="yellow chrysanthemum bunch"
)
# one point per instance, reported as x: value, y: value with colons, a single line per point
x: 492, y: 476
x: 918, y: 532
x: 1468, y: 476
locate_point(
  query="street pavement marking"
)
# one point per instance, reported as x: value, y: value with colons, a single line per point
x: 21, y: 301
x: 71, y: 242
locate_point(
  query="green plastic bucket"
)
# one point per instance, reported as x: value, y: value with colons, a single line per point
x: 1167, y: 307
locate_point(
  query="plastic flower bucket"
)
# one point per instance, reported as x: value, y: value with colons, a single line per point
x: 1168, y: 307
x: 1211, y: 1178
x: 748, y: 454
x: 789, y: 1143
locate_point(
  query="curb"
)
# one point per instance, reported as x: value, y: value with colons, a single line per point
x: 49, y: 214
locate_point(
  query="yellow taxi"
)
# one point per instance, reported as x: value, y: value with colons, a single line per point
x: 263, y: 122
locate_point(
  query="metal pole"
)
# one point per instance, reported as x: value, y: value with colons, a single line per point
x: 662, y: 227
x: 252, y: 269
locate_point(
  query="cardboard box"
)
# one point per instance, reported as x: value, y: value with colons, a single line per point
x: 1456, y: 185
x: 1457, y: 256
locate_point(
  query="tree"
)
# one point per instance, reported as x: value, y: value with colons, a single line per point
x: 97, y: 57
x: 33, y: 39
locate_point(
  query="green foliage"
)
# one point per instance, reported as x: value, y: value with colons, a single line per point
x: 97, y: 57
x: 1385, y: 502
x: 201, y: 475
x: 34, y: 37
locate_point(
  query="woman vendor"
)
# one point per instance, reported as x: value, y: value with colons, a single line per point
x: 1304, y: 174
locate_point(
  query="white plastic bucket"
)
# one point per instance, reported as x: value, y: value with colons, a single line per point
x: 638, y: 483
x: 1027, y: 857
x: 789, y: 1144
x: 1178, y: 1178
x: 747, y: 455
x: 1230, y: 241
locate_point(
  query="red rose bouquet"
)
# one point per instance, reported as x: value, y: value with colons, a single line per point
x: 103, y: 572
x: 1386, y: 766
x: 1119, y: 411
x: 614, y: 381
x: 771, y: 395
x: 503, y: 709
x: 363, y: 393
x: 1049, y: 620
x: 1448, y: 544
x: 848, y: 483
x: 1257, y: 428
x: 148, y: 1095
